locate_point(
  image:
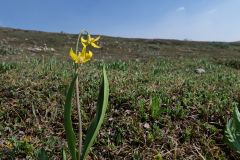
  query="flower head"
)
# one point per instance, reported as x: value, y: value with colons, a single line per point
x: 90, y: 41
x: 81, y: 57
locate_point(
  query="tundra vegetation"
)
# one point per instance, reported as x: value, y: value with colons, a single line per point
x: 159, y: 107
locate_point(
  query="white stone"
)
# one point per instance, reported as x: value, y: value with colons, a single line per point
x: 200, y: 70
x: 146, y: 125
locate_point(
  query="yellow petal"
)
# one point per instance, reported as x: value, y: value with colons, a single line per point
x: 81, y: 58
x: 83, y: 53
x: 84, y: 44
x: 83, y: 40
x: 84, y: 49
x: 95, y: 46
x: 73, y: 55
x: 85, y: 60
x: 96, y: 39
x: 85, y: 57
x: 89, y: 55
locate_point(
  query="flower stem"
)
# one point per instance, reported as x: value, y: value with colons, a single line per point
x: 79, y: 120
x: 78, y: 104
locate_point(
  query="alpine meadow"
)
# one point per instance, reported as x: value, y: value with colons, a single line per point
x: 70, y: 96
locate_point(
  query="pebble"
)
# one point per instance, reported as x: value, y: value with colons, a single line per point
x: 200, y: 70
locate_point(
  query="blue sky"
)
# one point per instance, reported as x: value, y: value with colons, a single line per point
x: 205, y: 20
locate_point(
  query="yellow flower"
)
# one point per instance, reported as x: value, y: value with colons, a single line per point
x: 90, y: 41
x: 82, y: 57
x: 9, y: 145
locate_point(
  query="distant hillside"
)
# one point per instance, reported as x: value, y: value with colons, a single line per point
x: 24, y: 42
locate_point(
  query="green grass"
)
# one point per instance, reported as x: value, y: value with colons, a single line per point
x: 186, y: 112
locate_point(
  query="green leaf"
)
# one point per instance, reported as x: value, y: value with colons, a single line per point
x: 155, y: 107
x: 236, y: 117
x: 42, y: 155
x: 71, y: 138
x: 232, y: 131
x: 100, y: 113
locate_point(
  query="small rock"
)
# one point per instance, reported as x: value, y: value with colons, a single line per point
x: 116, y: 111
x: 128, y: 111
x: 146, y: 125
x: 21, y: 132
x: 52, y: 49
x: 200, y: 70
x: 35, y: 49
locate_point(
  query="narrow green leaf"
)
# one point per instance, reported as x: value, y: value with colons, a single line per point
x: 236, y: 117
x: 155, y: 107
x: 100, y: 113
x: 71, y: 138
